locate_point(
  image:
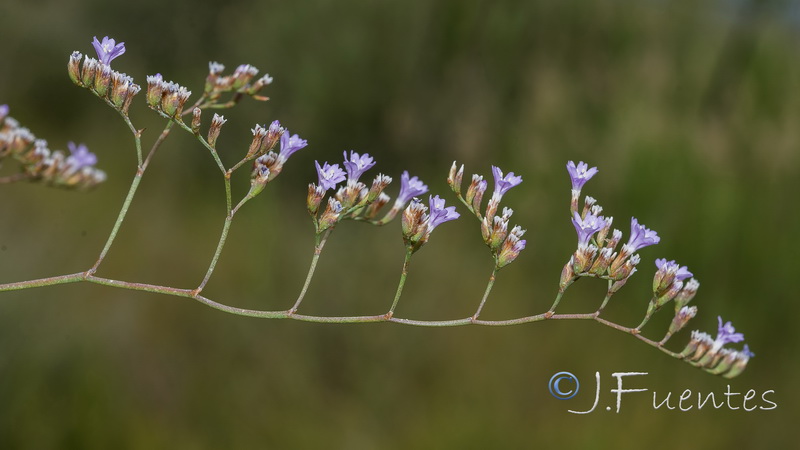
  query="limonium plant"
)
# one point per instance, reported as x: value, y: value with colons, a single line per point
x: 341, y: 192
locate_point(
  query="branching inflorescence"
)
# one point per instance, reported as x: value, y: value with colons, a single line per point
x: 596, y: 254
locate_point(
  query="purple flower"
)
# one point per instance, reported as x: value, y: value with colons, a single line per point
x: 3, y: 111
x: 580, y: 174
x: 329, y: 175
x: 289, y: 145
x: 681, y: 272
x: 80, y: 156
x: 108, y: 49
x: 641, y: 237
x: 357, y: 164
x: 727, y: 334
x: 503, y: 183
x: 409, y: 188
x: 440, y: 214
x: 745, y: 352
x: 587, y: 226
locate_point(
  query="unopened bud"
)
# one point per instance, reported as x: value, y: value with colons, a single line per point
x: 454, y: 178
x: 603, y: 233
x: 474, y: 190
x: 102, y: 79
x: 88, y: 71
x: 216, y: 126
x: 214, y: 69
x: 415, y: 224
x: 686, y: 294
x: 604, y: 258
x: 258, y: 179
x: 74, y: 69
x: 196, y: 120
x: 242, y: 75
x: 314, y: 199
x: 119, y: 88
x: 584, y: 256
x: 330, y: 216
x: 587, y: 206
x: 683, y: 317
x: 512, y: 247
x: 259, y: 133
x: 374, y: 208
x: 133, y: 89
x: 567, y: 275
x: 154, y: 90
x: 378, y: 185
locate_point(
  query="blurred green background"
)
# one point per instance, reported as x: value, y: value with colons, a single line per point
x: 690, y: 112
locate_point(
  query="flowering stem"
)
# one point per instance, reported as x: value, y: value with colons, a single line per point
x: 651, y: 308
x: 402, y: 283
x: 41, y: 282
x: 488, y: 290
x: 205, y: 143
x: 560, y: 294
x: 137, y: 136
x: 319, y: 243
x: 86, y: 276
x: 223, y: 236
x: 120, y: 218
x: 606, y: 299
x: 157, y: 144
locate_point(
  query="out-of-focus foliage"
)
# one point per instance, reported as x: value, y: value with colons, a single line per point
x: 689, y: 111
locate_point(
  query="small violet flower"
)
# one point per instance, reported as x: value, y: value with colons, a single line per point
x: 440, y: 214
x: 587, y: 226
x: 108, y: 49
x: 503, y: 183
x: 80, y: 156
x: 681, y: 272
x: 580, y: 174
x: 409, y: 188
x: 641, y: 237
x: 357, y: 164
x: 289, y: 145
x: 3, y: 111
x: 727, y: 334
x: 329, y: 175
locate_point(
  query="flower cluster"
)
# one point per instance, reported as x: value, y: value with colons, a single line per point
x: 269, y: 164
x: 166, y: 97
x: 505, y: 245
x: 351, y: 200
x: 239, y: 82
x: 711, y: 354
x: 39, y: 163
x: 596, y: 254
x: 419, y: 221
x: 117, y: 88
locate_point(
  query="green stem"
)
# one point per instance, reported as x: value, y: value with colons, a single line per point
x: 486, y: 293
x: 319, y: 243
x: 120, y: 218
x: 205, y: 143
x: 402, y: 283
x: 606, y: 299
x: 156, y: 145
x: 41, y: 282
x: 187, y: 293
x: 651, y: 309
x: 137, y: 137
